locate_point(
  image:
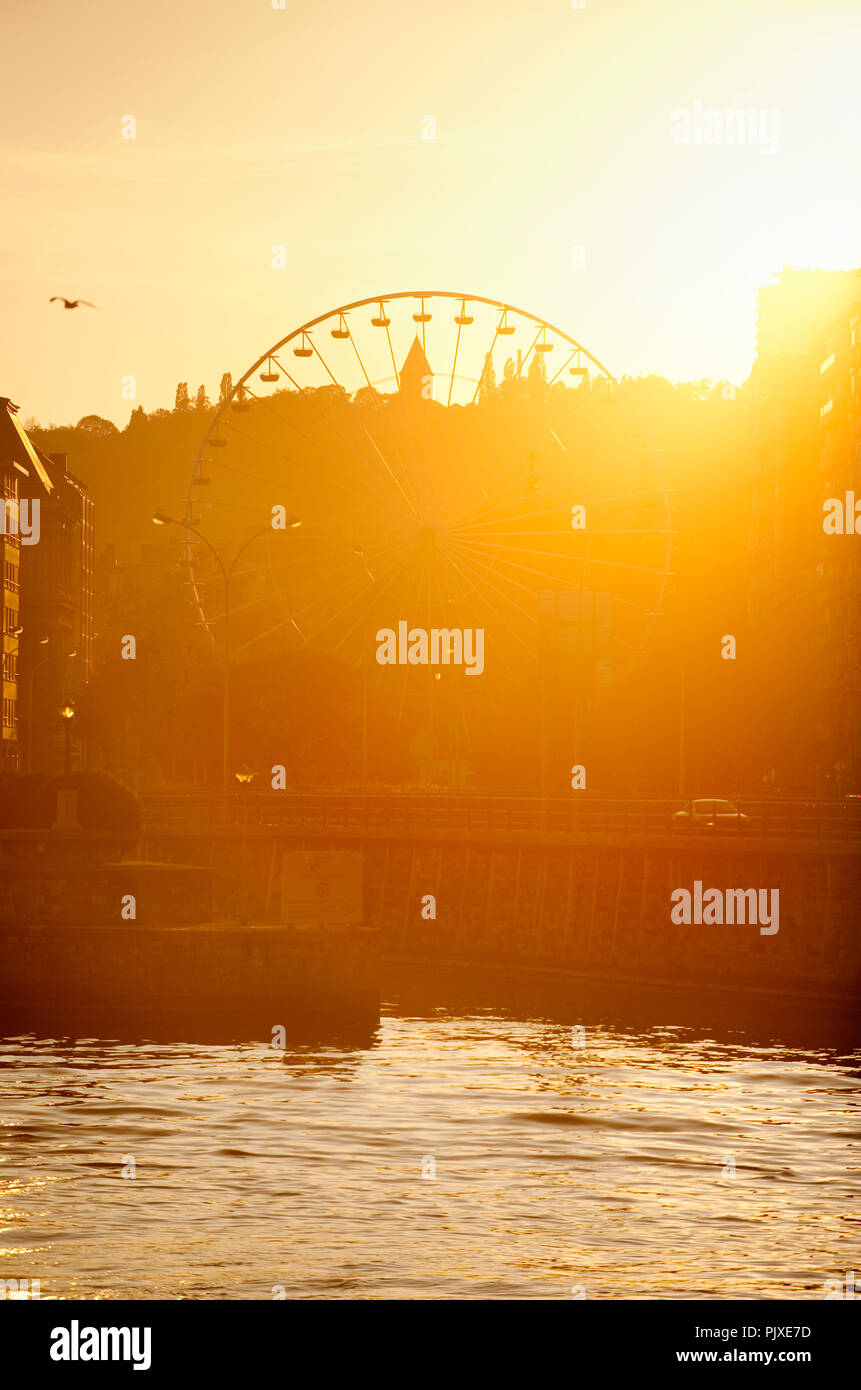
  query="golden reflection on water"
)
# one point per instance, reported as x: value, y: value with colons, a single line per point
x: 653, y: 1163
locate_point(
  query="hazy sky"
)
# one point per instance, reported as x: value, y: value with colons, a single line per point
x: 303, y: 126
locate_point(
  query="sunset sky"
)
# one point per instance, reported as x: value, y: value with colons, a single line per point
x: 303, y: 127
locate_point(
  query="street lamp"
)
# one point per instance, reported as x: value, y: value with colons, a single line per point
x: 67, y: 797
x: 67, y: 714
x: 161, y: 518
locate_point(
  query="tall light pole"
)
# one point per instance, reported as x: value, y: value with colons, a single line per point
x: 161, y: 518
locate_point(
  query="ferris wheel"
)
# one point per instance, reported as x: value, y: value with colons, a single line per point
x: 456, y: 463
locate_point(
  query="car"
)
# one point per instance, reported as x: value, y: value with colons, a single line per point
x: 710, y: 813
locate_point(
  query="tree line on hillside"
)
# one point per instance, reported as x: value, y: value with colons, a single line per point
x: 732, y: 724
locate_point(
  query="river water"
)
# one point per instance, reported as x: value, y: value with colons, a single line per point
x: 485, y: 1143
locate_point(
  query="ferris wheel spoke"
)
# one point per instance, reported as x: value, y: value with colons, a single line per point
x: 525, y: 359
x: 443, y: 602
x: 626, y: 565
x: 315, y: 444
x: 572, y: 559
x: 391, y: 576
x: 391, y: 573
x: 357, y: 417
x: 515, y: 463
x: 479, y: 556
x: 488, y: 354
x: 235, y: 468
x: 237, y: 608
x: 270, y: 448
x: 496, y: 546
x: 473, y: 586
x: 630, y: 496
x: 311, y: 563
x: 466, y: 530
x: 485, y: 577
x: 379, y: 490
x: 339, y: 601
x: 359, y: 359
x: 349, y: 587
x: 496, y: 583
x: 392, y: 355
x: 280, y: 365
x: 456, y: 350
x: 270, y: 632
x: 632, y: 603
x: 395, y: 479
x: 508, y: 535
x: 424, y: 325
x: 568, y: 360
x: 317, y: 353
x: 340, y: 555
x: 243, y: 434
x: 412, y: 479
x: 420, y: 511
x: 416, y: 586
x: 413, y: 470
x: 375, y: 486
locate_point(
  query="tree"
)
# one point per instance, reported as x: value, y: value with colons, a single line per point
x: 137, y: 418
x: 487, y: 385
x: 537, y: 375
x: 226, y: 388
x: 182, y: 402
x: 94, y: 424
x: 201, y: 400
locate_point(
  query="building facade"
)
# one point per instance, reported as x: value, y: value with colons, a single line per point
x: 796, y: 678
x: 57, y: 618
x: 25, y: 486
x: 47, y: 598
x: 838, y: 563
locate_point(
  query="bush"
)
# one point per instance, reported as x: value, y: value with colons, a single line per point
x: 30, y: 802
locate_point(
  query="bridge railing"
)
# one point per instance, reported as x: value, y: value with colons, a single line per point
x: 562, y: 817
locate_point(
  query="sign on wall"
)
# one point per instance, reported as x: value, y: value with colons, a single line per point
x: 321, y: 887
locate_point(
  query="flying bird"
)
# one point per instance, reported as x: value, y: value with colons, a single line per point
x: 70, y: 303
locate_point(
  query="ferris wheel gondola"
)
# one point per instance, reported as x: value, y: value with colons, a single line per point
x: 437, y: 481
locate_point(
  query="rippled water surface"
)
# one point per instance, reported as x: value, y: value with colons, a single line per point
x: 550, y: 1166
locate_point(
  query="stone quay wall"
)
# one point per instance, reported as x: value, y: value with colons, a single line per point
x: 598, y: 907
x: 272, y: 976
x: 103, y: 894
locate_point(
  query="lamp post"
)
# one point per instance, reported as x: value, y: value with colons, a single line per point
x: 161, y: 518
x: 31, y: 686
x: 67, y: 714
x: 67, y: 797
